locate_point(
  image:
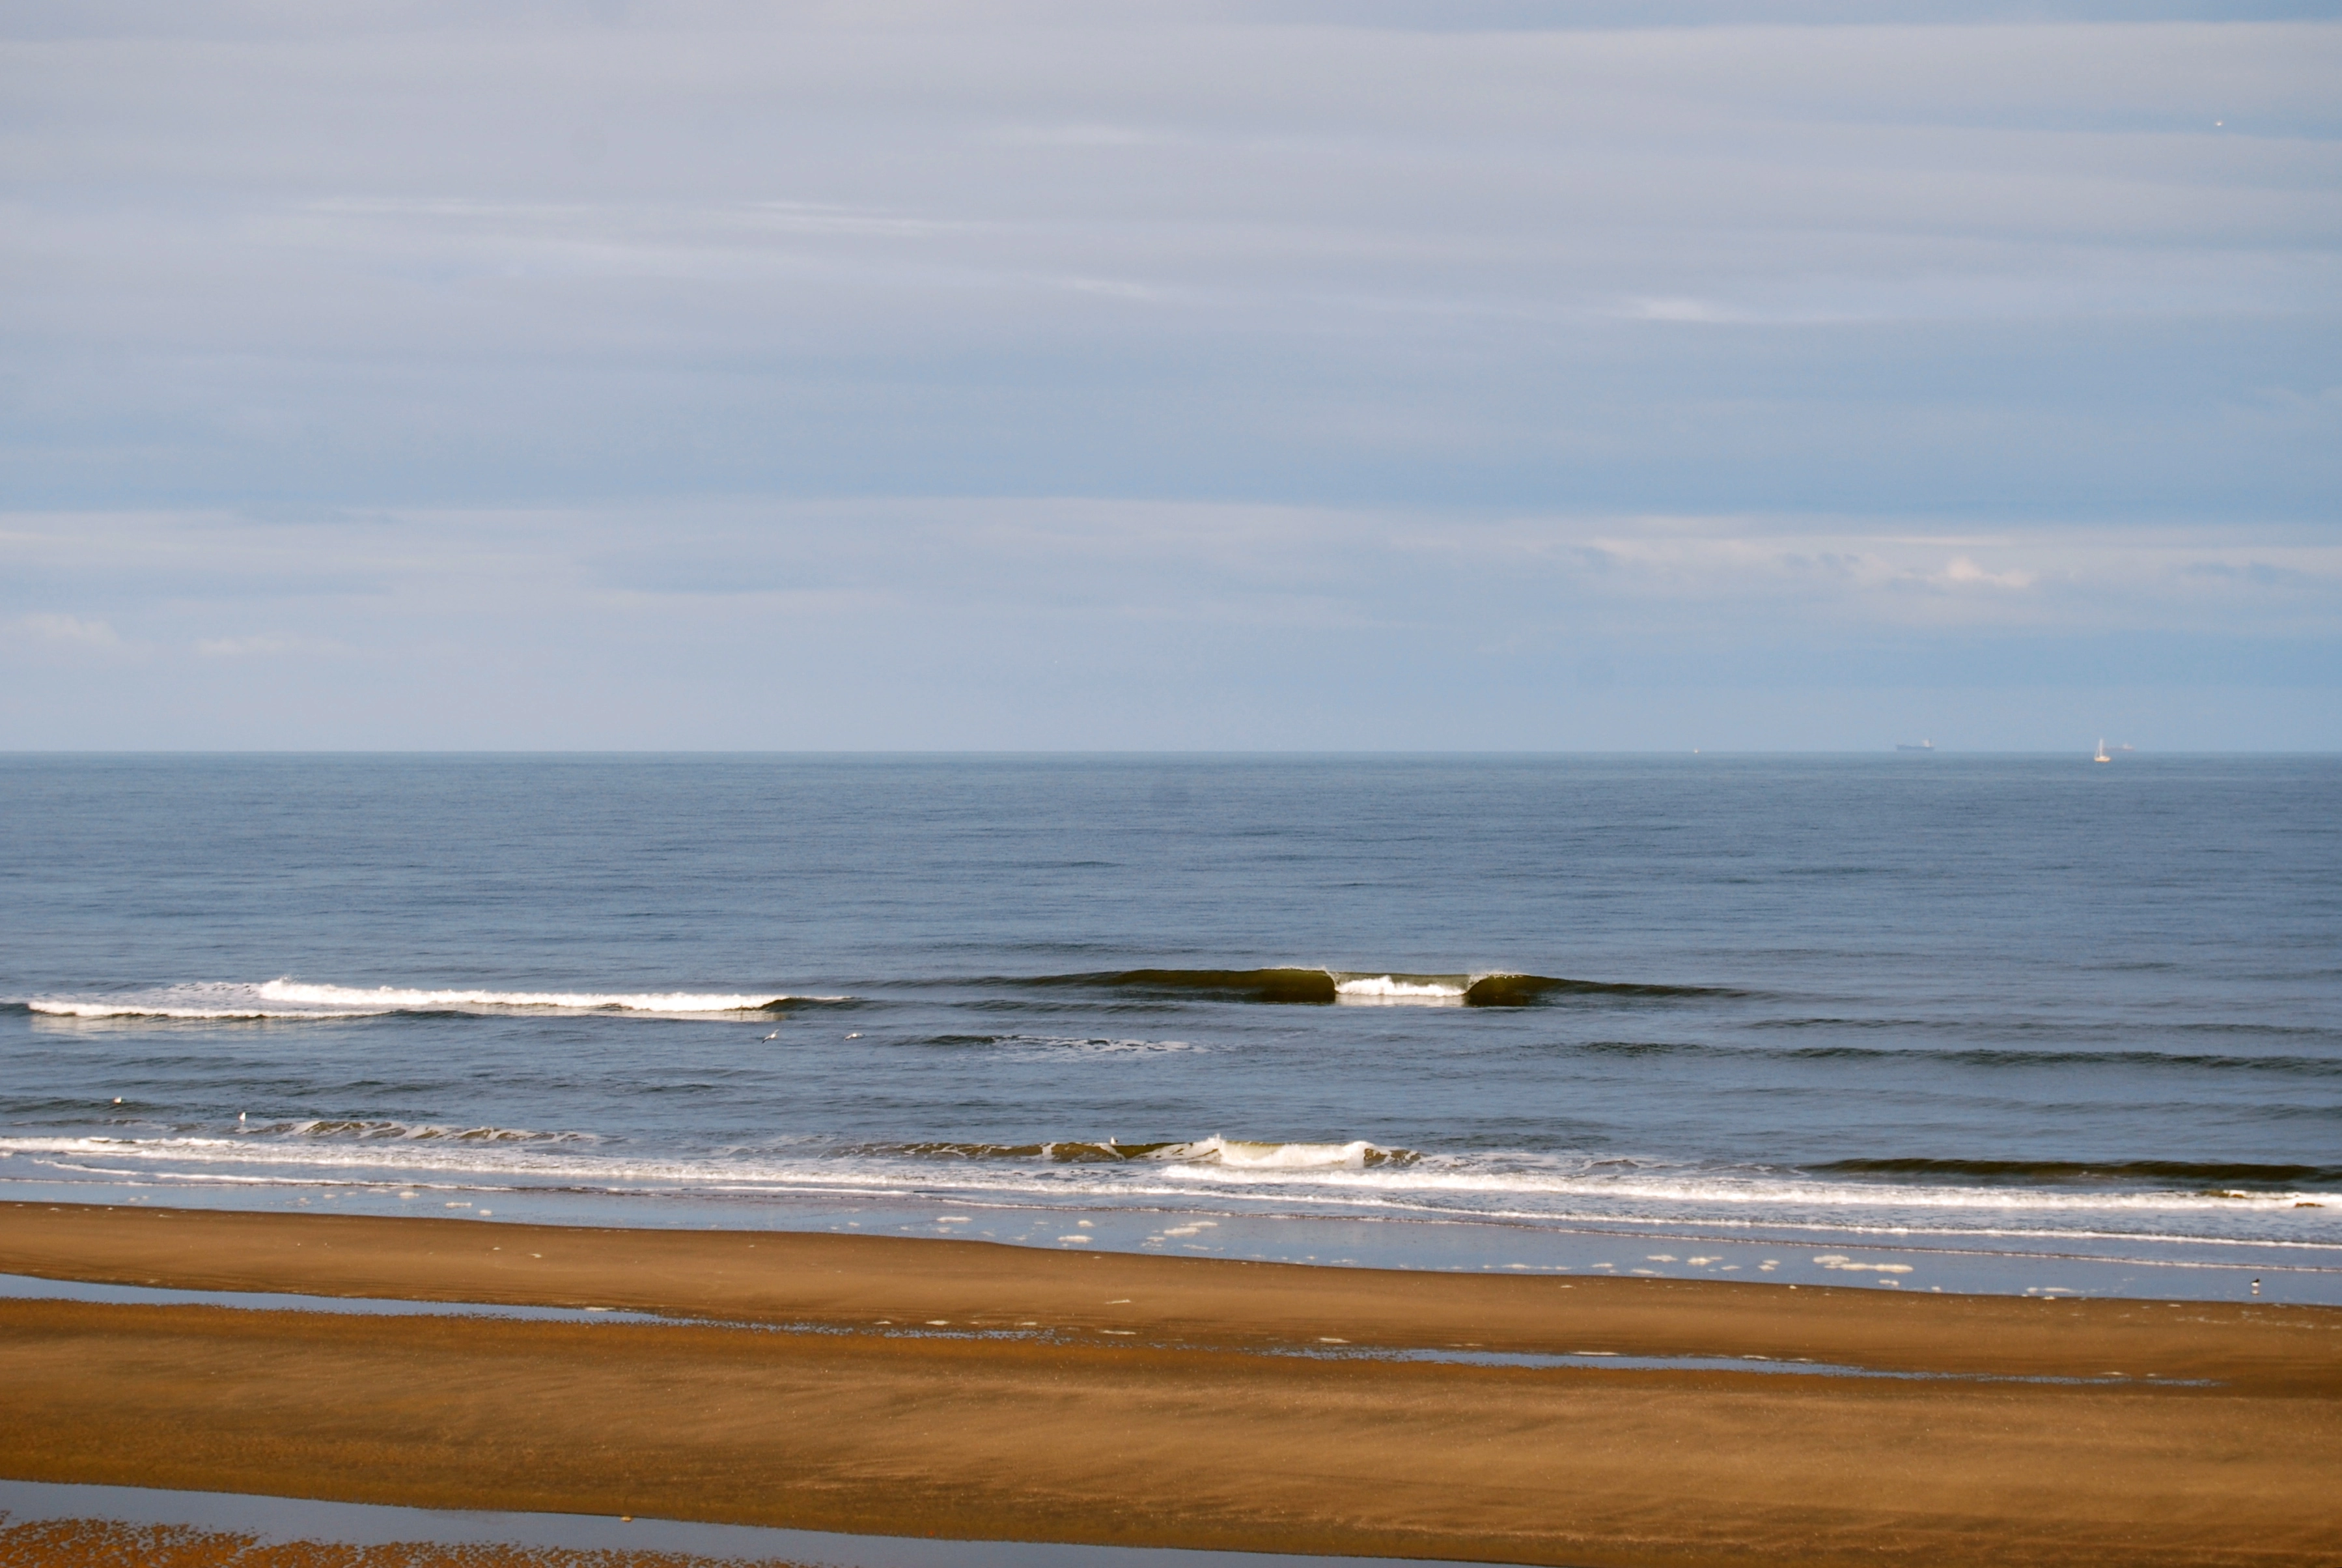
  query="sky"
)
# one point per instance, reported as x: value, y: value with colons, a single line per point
x: 611, y: 375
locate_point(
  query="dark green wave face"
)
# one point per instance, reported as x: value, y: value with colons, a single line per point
x: 1273, y: 985
x: 1278, y: 985
x: 1318, y: 986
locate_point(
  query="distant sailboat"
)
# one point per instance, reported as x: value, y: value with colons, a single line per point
x: 2102, y: 756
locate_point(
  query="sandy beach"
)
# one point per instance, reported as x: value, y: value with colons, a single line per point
x: 1149, y: 1401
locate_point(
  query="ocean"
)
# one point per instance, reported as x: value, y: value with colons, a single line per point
x: 1916, y: 1021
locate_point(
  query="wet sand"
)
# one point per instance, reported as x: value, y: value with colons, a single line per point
x: 107, y: 1543
x: 1147, y: 1411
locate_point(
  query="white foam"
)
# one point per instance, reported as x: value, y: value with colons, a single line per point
x: 286, y: 998
x: 1324, y: 1178
x: 1529, y: 1179
x: 1435, y: 989
x: 628, y: 1001
x: 1273, y: 1156
x: 1339, y: 1171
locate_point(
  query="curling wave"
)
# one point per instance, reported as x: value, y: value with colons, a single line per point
x: 1325, y: 987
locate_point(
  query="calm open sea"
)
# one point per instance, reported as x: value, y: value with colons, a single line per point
x: 1904, y: 1021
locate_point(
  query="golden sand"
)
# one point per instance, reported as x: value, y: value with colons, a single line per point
x: 1152, y: 1410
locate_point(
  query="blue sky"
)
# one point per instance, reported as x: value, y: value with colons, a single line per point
x: 1610, y: 375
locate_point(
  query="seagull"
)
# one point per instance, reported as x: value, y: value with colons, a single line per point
x: 774, y: 1035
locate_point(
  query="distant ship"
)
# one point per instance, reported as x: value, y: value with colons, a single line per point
x: 1907, y: 746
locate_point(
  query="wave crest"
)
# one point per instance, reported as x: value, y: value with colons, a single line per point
x: 1323, y: 987
x: 54, y: 1007
x: 285, y: 997
x: 400, y: 999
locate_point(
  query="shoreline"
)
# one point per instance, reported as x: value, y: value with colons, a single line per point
x: 2145, y: 1267
x: 1158, y: 1401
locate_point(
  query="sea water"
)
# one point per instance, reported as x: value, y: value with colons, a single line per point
x: 1906, y: 1021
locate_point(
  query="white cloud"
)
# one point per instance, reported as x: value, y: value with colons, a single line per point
x: 249, y: 646
x: 68, y: 631
x: 1962, y: 572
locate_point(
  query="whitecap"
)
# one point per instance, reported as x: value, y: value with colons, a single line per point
x: 1436, y: 991
x: 285, y: 997
x: 407, y: 1000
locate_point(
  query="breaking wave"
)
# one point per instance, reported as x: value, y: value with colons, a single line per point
x: 1326, y: 1180
x: 53, y: 1007
x: 396, y: 998
x: 290, y: 998
x: 1323, y: 987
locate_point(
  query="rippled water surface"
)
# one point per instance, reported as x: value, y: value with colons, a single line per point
x: 1967, y: 1021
